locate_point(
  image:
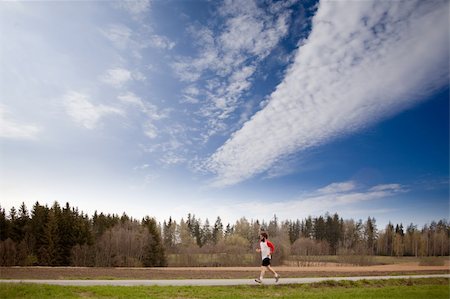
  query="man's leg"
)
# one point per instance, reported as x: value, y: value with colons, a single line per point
x: 272, y: 270
x: 263, y: 271
x: 261, y: 275
x: 274, y: 273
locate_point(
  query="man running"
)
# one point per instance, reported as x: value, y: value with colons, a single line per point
x: 266, y: 248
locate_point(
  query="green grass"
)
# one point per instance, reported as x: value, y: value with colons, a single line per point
x: 435, y: 288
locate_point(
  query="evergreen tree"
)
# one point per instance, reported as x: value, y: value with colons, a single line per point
x: 198, y: 233
x: 169, y: 234
x: 229, y: 230
x: 389, y: 250
x: 206, y: 233
x: 217, y: 232
x: 48, y: 251
x: 39, y: 219
x: 319, y: 228
x: 370, y: 234
x: 272, y: 229
x: 4, y: 225
x: 333, y: 232
x: 294, y: 230
x: 15, y: 232
x: 308, y: 231
x: 154, y: 255
x: 66, y: 234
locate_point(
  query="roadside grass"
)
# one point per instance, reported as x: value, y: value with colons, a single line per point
x: 392, y: 288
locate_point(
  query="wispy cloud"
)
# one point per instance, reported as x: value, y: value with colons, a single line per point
x: 83, y: 112
x: 317, y: 202
x: 131, y: 99
x: 12, y: 129
x: 116, y: 77
x: 120, y: 35
x: 335, y: 188
x: 228, y: 59
x: 150, y: 112
x: 135, y: 41
x: 134, y: 7
x: 363, y: 62
x: 160, y: 41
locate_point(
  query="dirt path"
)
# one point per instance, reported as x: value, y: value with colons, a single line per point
x: 212, y: 273
x: 210, y: 282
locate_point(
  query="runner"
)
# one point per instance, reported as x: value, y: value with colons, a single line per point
x: 266, y: 248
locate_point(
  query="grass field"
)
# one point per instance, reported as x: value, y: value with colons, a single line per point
x: 433, y: 288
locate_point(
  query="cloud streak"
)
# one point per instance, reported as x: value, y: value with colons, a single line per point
x: 346, y: 197
x: 83, y: 112
x: 362, y: 63
x: 12, y: 129
x: 317, y: 202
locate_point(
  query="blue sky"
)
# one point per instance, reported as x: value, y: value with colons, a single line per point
x: 234, y: 108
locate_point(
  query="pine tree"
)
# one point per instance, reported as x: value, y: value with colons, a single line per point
x: 389, y: 239
x: 319, y: 228
x: 229, y: 230
x: 198, y: 233
x: 333, y: 232
x: 206, y: 233
x: 272, y: 229
x: 4, y: 225
x: 370, y: 234
x: 39, y: 219
x: 295, y: 231
x: 48, y: 251
x: 169, y: 234
x: 154, y: 255
x: 308, y: 228
x: 15, y: 231
x: 217, y: 233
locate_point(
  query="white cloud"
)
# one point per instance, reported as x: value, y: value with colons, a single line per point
x: 135, y: 7
x: 150, y: 130
x: 151, y: 112
x: 120, y: 35
x: 13, y: 129
x: 131, y: 98
x: 116, y: 77
x: 387, y: 187
x: 353, y: 203
x: 161, y: 42
x: 337, y: 187
x: 229, y: 58
x: 83, y: 112
x: 316, y: 202
x: 191, y: 95
x: 134, y: 41
x: 363, y: 62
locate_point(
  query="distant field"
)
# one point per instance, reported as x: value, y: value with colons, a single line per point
x: 342, y: 260
x: 248, y: 260
x: 213, y: 260
x: 435, y: 288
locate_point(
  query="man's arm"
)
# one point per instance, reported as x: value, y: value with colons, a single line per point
x: 272, y: 248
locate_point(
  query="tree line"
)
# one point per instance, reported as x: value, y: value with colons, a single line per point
x: 64, y: 236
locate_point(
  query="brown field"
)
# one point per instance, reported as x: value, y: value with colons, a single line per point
x: 328, y: 270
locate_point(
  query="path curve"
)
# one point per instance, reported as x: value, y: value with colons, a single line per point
x: 208, y: 282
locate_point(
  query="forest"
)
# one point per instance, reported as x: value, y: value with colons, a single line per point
x: 64, y: 236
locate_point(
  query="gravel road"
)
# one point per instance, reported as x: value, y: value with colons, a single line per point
x: 207, y: 282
